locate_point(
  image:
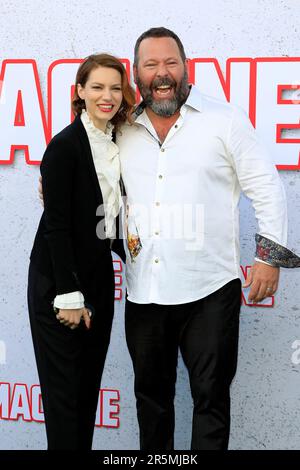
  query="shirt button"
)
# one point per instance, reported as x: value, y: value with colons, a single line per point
x: 157, y: 203
x: 156, y: 260
x: 156, y: 233
x: 162, y: 150
x: 176, y: 125
x: 160, y: 177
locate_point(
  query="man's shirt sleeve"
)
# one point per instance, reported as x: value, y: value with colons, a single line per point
x: 259, y: 180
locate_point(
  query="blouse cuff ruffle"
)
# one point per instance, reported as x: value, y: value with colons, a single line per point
x: 274, y: 254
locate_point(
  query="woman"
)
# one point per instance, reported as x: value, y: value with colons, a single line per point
x: 71, y: 278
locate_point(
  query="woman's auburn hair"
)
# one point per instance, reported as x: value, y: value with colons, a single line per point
x: 105, y: 60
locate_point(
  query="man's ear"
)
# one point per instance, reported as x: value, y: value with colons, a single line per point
x: 134, y: 73
x: 186, y: 65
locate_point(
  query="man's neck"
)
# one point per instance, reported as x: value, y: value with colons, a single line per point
x: 162, y: 124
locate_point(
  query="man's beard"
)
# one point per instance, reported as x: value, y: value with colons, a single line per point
x: 165, y: 107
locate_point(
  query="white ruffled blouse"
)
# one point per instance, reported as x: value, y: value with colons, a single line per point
x: 107, y: 165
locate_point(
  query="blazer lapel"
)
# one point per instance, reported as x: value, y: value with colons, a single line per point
x: 87, y: 155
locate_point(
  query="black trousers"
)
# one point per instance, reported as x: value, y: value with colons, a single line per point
x: 70, y: 365
x: 206, y: 331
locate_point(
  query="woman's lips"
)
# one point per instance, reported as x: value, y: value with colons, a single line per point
x: 105, y: 108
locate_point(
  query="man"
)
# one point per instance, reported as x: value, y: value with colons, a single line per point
x: 187, y: 150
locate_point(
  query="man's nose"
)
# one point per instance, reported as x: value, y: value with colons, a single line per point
x: 162, y: 71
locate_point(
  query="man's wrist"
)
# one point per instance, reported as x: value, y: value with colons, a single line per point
x: 264, y: 262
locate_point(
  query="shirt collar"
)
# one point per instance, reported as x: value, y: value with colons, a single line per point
x: 92, y: 130
x: 194, y: 100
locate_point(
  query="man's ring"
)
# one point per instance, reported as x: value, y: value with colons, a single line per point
x: 269, y: 289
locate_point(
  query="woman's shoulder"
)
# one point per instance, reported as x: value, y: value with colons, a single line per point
x: 66, y: 136
x: 63, y: 147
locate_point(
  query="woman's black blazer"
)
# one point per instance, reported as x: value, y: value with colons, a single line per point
x: 66, y: 247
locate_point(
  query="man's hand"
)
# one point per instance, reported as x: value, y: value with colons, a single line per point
x: 263, y: 280
x: 72, y: 317
x: 40, y: 189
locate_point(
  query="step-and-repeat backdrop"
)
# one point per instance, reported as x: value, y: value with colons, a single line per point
x: 244, y: 52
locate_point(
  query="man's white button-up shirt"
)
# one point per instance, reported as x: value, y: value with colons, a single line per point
x: 182, y: 200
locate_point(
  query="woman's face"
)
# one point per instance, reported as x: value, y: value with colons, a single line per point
x: 102, y: 94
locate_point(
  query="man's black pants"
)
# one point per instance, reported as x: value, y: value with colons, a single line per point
x: 206, y: 331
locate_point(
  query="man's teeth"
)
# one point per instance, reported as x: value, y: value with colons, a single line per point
x: 163, y: 89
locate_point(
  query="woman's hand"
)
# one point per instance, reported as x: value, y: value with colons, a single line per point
x: 72, y: 317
